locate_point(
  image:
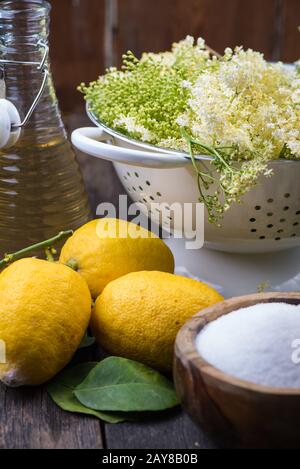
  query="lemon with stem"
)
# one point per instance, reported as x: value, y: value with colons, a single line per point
x: 108, y: 248
x: 45, y: 309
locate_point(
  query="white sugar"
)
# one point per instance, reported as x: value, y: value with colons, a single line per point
x: 260, y: 344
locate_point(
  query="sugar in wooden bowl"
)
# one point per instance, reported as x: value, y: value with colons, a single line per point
x: 237, y: 369
x: 259, y: 344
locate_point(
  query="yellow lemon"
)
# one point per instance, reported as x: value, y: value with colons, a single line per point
x: 45, y: 309
x: 138, y: 316
x: 106, y: 249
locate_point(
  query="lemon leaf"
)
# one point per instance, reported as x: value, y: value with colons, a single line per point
x: 118, y: 384
x: 61, y: 389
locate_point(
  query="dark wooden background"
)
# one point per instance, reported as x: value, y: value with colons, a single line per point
x: 88, y: 35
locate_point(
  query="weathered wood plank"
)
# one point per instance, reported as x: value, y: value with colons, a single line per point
x: 110, y: 33
x: 29, y: 419
x: 86, y: 36
x: 155, y: 25
x: 77, y: 35
x: 173, y: 431
x: 291, y: 35
x: 278, y: 31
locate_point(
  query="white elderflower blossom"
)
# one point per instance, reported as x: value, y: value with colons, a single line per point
x: 133, y: 127
x: 239, y: 109
x: 186, y: 84
x: 246, y: 102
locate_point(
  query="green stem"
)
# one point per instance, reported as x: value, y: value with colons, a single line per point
x: 213, y: 152
x: 73, y: 264
x: 210, y: 150
x: 49, y: 255
x: 8, y: 258
x: 205, y: 178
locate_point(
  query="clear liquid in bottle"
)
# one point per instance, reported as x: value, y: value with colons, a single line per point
x: 41, y: 188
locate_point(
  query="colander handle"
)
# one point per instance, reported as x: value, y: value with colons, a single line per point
x: 94, y: 142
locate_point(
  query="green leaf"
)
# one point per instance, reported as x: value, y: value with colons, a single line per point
x: 87, y: 341
x: 61, y: 391
x: 118, y: 384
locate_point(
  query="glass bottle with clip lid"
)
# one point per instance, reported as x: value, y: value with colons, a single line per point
x: 41, y: 188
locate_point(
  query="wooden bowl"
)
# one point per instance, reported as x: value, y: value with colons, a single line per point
x: 243, y: 413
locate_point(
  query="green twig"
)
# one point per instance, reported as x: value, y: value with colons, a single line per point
x: 47, y: 245
x: 214, y: 204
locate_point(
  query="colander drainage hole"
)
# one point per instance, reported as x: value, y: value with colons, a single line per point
x: 252, y: 220
x: 148, y: 183
x: 295, y: 224
x: 270, y: 226
x: 262, y: 237
x: 298, y: 212
x: 254, y: 230
x: 258, y: 207
x: 136, y: 175
x: 287, y: 195
x: 293, y: 235
x: 141, y: 189
x: 270, y: 214
x: 277, y: 239
x: 280, y: 231
x: 286, y: 208
x: 282, y: 220
x: 270, y: 201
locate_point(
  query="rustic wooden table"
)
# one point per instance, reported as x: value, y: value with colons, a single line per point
x: 28, y: 417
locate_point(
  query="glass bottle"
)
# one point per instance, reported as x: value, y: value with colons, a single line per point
x: 41, y: 189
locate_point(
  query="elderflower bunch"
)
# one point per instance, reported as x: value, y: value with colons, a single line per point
x: 248, y: 104
x: 144, y: 99
x: 241, y: 110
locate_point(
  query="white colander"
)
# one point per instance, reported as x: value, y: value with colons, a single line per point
x: 267, y: 220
